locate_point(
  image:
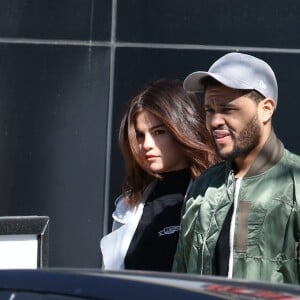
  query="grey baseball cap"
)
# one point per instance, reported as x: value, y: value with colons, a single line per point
x: 238, y: 71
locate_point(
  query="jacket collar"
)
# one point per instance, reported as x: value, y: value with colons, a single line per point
x: 270, y: 154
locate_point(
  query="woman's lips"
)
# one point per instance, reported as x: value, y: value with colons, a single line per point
x: 150, y: 157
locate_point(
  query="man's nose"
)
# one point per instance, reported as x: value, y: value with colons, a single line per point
x: 216, y: 120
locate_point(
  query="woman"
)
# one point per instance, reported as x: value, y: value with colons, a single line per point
x: 165, y: 145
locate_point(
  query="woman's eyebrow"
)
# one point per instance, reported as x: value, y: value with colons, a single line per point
x: 157, y: 126
x: 153, y: 127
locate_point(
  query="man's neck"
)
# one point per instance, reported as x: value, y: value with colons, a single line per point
x: 244, y: 163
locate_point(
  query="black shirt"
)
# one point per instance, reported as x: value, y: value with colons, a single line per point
x: 222, y: 247
x: 154, y: 242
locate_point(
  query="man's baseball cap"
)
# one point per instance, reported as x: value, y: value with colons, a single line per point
x: 238, y: 71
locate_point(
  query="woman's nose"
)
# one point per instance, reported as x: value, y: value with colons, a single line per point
x: 148, y: 141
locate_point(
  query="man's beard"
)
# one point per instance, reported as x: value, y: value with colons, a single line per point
x: 245, y: 142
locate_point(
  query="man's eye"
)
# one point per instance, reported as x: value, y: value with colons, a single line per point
x: 227, y: 109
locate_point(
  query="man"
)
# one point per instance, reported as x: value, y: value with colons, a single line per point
x: 242, y: 216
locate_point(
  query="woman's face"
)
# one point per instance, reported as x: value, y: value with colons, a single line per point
x: 157, y: 146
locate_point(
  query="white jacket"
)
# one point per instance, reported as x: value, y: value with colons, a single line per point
x: 114, y: 245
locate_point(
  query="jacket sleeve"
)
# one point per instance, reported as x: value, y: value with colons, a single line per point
x: 296, y: 178
x: 179, y: 264
x: 186, y: 249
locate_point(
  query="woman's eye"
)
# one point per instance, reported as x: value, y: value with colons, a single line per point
x: 139, y: 135
x: 159, y: 132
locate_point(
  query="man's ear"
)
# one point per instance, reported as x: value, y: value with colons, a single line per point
x: 267, y: 108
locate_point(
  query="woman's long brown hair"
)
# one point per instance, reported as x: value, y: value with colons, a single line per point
x: 184, y: 117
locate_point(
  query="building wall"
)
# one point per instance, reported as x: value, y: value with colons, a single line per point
x: 67, y: 68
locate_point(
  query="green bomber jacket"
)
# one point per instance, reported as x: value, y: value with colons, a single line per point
x: 266, y: 234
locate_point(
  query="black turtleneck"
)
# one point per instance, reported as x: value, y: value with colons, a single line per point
x: 154, y: 243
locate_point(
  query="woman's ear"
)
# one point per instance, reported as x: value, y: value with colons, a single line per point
x: 267, y: 108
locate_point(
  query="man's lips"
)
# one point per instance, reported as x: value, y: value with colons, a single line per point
x: 221, y: 136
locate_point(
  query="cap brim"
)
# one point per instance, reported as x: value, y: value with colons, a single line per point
x: 193, y: 83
